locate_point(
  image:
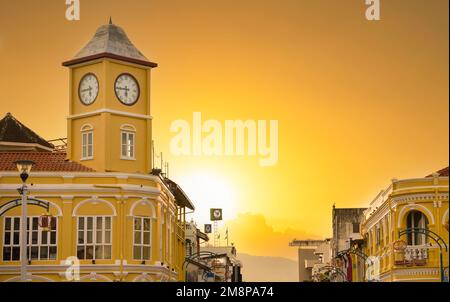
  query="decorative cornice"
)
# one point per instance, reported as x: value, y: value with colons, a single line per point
x: 111, y: 111
x: 150, y: 177
x: 416, y: 272
x: 414, y: 197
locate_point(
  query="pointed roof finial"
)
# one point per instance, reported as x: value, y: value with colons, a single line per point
x: 110, y: 20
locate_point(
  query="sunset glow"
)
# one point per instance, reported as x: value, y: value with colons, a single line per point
x: 357, y: 103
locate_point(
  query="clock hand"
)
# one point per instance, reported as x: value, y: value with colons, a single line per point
x: 122, y: 88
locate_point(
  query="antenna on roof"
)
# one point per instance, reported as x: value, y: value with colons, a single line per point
x: 167, y: 169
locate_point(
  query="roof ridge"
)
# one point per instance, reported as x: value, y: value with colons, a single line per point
x: 108, y: 33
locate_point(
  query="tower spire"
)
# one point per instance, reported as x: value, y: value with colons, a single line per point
x: 110, y: 20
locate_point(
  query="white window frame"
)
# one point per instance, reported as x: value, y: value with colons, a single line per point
x: 414, y: 238
x: 86, y: 131
x: 128, y: 131
x: 30, y: 245
x: 94, y: 243
x: 142, y: 245
x: 11, y: 245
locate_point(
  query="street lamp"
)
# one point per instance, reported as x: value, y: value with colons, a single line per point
x: 24, y: 168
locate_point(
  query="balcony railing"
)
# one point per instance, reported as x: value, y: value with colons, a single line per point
x: 412, y: 255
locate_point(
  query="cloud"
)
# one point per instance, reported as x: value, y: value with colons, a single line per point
x: 252, y: 235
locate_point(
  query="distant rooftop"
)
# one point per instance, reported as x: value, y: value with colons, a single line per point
x: 14, y: 134
x: 110, y: 41
x: 442, y: 172
x: 180, y: 196
x: 18, y: 142
x: 306, y: 243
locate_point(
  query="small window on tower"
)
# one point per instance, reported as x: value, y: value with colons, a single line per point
x: 87, y: 142
x: 127, y: 137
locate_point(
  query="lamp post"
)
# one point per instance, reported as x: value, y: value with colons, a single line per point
x: 24, y: 167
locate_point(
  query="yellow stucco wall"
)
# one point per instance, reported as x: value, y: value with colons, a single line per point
x: 107, y: 115
x: 94, y: 194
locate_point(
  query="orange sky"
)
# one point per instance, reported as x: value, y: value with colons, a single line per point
x: 358, y: 102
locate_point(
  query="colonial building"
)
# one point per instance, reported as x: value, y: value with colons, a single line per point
x: 314, y: 256
x: 223, y: 260
x: 196, y: 268
x: 406, y: 229
x: 346, y: 224
x: 122, y: 219
x: 346, y: 227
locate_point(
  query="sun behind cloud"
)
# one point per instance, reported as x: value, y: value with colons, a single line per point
x: 208, y: 189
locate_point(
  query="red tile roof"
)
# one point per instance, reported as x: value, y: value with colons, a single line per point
x: 442, y: 172
x: 44, y: 162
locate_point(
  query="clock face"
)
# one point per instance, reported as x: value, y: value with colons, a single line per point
x: 88, y: 89
x: 127, y: 89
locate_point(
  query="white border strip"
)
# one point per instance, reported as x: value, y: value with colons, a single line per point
x: 117, y: 112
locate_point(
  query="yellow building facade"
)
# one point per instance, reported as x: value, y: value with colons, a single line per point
x: 396, y: 226
x: 114, y: 214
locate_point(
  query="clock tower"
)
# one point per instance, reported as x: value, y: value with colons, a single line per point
x: 109, y: 122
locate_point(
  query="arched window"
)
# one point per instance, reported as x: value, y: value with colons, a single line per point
x: 94, y: 223
x: 416, y: 219
x: 143, y: 213
x: 42, y: 244
x: 87, y: 142
x: 142, y: 238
